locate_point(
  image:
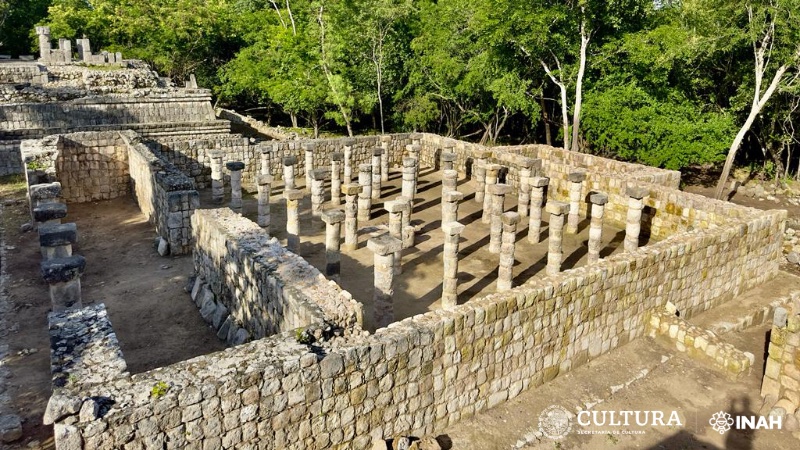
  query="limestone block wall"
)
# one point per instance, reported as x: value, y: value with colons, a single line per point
x: 699, y: 343
x: 427, y: 372
x: 92, y: 166
x: 18, y: 72
x: 781, y: 383
x: 265, y: 288
x: 10, y: 160
x: 165, y: 195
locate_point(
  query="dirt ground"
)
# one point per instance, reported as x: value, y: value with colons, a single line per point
x: 418, y: 289
x: 153, y: 317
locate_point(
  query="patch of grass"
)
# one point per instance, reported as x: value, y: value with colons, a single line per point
x: 159, y: 389
x: 12, y: 186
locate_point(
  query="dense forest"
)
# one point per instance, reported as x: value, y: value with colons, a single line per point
x: 665, y: 83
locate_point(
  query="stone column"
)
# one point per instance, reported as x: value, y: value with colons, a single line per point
x: 491, y: 179
x: 293, y: 197
x: 336, y: 178
x: 365, y: 197
x: 264, y: 191
x: 555, y: 250
x: 575, y: 185
x: 41, y: 194
x: 333, y: 219
x: 524, y: 191
x: 409, y: 188
x: 56, y: 240
x: 449, y: 160
x: 350, y: 191
x: 450, y: 201
x: 537, y: 186
x: 598, y: 201
x: 498, y: 194
x: 452, y: 235
x: 384, y: 247
x: 633, y: 225
x: 64, y: 277
x: 308, y: 149
x: 415, y: 151
x: 49, y: 214
x: 318, y: 177
x: 396, y: 209
x: 288, y: 172
x: 505, y: 273
x: 479, y: 173
x: 236, y: 168
x: 217, y: 183
x: 44, y: 42
x: 408, y: 230
x: 348, y: 160
x: 386, y: 142
x: 377, y: 156
x: 266, y: 160
x: 449, y: 181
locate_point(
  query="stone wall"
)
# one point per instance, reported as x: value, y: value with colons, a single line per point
x: 19, y: 72
x: 265, y: 288
x: 92, y: 166
x: 781, y: 385
x: 165, y: 195
x: 424, y: 373
x: 699, y: 343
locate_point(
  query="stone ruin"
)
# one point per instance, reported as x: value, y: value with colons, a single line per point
x: 307, y: 367
x: 63, y: 54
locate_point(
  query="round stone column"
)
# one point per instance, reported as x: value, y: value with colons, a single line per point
x: 598, y: 201
x: 479, y: 173
x: 555, y: 251
x: 537, y: 185
x: 409, y: 187
x: 408, y: 230
x: 264, y: 190
x: 288, y: 172
x: 452, y: 235
x: 333, y: 219
x: 633, y: 224
x: 351, y: 192
x: 336, y: 178
x: 524, y: 190
x: 266, y: 159
x: 293, y: 197
x: 64, y: 277
x: 449, y: 160
x: 396, y: 209
x: 449, y: 181
x: 386, y: 145
x: 217, y: 183
x: 365, y: 197
x: 498, y: 194
x: 576, y: 180
x: 450, y: 202
x: 492, y: 170
x: 318, y: 177
x: 377, y: 156
x: 348, y: 160
x: 384, y: 247
x: 505, y: 273
x: 308, y: 149
x: 236, y: 167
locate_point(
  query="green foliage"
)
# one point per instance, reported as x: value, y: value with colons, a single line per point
x: 159, y: 389
x: 17, y: 20
x: 631, y: 124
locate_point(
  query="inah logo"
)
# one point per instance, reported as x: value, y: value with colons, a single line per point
x: 721, y: 422
x: 555, y: 422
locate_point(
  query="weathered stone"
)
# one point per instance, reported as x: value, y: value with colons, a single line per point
x: 234, y: 165
x: 58, y: 234
x: 60, y: 406
x: 10, y: 428
x: 47, y: 212
x: 555, y: 252
x: 509, y: 239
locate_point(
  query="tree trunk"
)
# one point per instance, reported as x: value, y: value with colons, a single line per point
x: 758, y: 105
x: 564, y: 115
x: 576, y: 119
x: 293, y: 118
x: 548, y: 138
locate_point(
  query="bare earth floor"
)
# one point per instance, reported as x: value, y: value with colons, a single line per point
x: 419, y: 288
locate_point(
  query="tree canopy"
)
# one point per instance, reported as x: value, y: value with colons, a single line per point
x: 667, y: 83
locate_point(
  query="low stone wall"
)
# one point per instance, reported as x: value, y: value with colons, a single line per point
x: 699, y: 343
x: 424, y: 373
x: 92, y: 166
x: 19, y: 72
x: 261, y: 127
x: 165, y: 195
x: 265, y: 288
x: 781, y: 385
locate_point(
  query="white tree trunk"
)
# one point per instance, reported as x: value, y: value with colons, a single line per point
x: 576, y: 119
